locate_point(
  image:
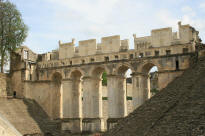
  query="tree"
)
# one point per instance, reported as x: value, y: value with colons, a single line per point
x: 13, y: 31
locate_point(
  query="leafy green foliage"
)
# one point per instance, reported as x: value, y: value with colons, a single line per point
x: 129, y: 97
x: 154, y: 91
x: 104, y: 79
x: 104, y: 98
x: 13, y: 31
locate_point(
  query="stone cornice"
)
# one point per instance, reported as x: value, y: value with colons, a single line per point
x: 115, y: 61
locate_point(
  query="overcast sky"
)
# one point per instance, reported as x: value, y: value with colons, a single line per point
x: 52, y: 20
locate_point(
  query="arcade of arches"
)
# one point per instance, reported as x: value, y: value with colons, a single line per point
x: 67, y: 83
x: 82, y: 104
x: 75, y: 94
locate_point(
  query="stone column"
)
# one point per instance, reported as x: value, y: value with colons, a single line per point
x: 66, y: 99
x: 92, y: 105
x: 140, y: 91
x: 71, y: 112
x: 117, y: 103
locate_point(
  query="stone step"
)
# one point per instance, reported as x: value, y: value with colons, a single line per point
x: 176, y: 110
x: 28, y: 118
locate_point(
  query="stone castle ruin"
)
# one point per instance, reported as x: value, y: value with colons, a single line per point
x: 67, y: 83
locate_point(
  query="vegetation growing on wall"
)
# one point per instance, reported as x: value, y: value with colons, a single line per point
x: 104, y: 79
x: 154, y: 91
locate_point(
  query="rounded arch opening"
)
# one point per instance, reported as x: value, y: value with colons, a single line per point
x: 76, y: 93
x: 153, y: 79
x: 76, y: 75
x: 151, y: 70
x: 122, y: 70
x: 57, y: 78
x: 100, y: 73
x: 126, y: 72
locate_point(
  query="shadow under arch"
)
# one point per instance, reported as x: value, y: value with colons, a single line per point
x: 56, y: 78
x: 76, y: 94
x: 98, y: 71
x: 79, y: 73
x: 122, y: 69
x: 55, y: 94
x: 76, y: 75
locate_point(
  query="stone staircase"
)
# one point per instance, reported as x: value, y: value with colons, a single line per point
x: 28, y: 117
x: 178, y: 110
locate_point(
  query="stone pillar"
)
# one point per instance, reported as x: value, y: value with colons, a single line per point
x: 92, y: 105
x: 71, y: 112
x: 117, y: 103
x: 141, y: 89
x: 66, y: 99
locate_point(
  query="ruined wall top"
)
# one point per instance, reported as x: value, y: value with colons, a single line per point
x: 91, y: 47
x: 159, y: 38
x: 26, y: 54
x: 165, y: 37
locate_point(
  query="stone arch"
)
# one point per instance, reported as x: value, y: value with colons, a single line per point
x: 55, y: 99
x: 141, y: 80
x: 145, y: 70
x: 52, y: 73
x: 75, y: 71
x: 146, y: 66
x: 75, y: 75
x: 96, y: 71
x: 122, y: 68
x: 56, y: 78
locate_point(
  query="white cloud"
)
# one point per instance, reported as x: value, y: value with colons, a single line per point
x: 187, y: 9
x: 166, y: 18
x: 94, y: 11
x: 85, y: 19
x: 101, y: 17
x: 202, y: 6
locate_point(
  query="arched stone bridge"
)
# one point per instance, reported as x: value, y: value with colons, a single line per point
x: 56, y: 80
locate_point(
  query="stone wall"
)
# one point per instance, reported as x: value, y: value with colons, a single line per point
x: 165, y: 37
x: 91, y: 47
x: 81, y: 66
x: 45, y: 94
x: 16, y: 84
x: 5, y: 88
x: 3, y: 85
x: 6, y: 129
x: 159, y: 38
